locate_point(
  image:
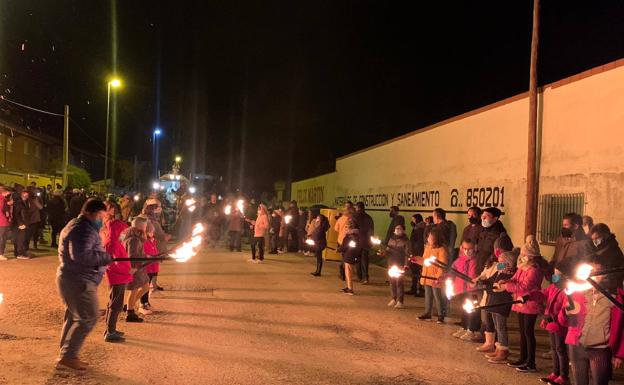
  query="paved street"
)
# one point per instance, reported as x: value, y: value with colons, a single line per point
x: 223, y: 320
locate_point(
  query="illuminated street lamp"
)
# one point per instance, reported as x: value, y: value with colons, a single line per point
x: 155, y: 136
x: 113, y: 83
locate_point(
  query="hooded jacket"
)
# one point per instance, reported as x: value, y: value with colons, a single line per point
x: 396, y: 220
x: 527, y: 281
x: 319, y: 234
x: 609, y: 255
x: 398, y: 249
x: 485, y: 243
x: 366, y: 228
x: 417, y: 238
x: 569, y: 251
x: 117, y: 272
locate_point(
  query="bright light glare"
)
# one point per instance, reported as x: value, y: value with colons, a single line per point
x: 450, y: 289
x: 584, y: 271
x: 395, y: 272
x: 192, y: 189
x: 156, y: 185
x: 429, y: 261
x: 309, y: 242
x: 468, y: 305
x: 352, y: 244
x: 228, y: 209
x: 115, y: 83
x: 157, y: 132
x: 375, y: 240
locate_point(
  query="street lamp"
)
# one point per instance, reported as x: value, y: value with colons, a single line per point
x: 155, y: 136
x: 178, y: 159
x: 113, y: 83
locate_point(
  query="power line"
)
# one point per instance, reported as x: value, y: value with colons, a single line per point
x: 2, y: 97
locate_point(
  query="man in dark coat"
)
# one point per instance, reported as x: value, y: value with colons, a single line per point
x: 571, y: 246
x: 20, y: 225
x: 417, y: 240
x: 366, y: 227
x: 395, y: 220
x: 607, y: 253
x: 492, y: 229
x: 474, y: 228
x: 75, y: 203
x: 292, y: 234
x: 320, y: 241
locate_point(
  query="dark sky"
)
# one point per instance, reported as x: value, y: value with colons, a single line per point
x: 290, y: 84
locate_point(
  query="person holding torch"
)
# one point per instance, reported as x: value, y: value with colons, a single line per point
x: 431, y: 273
x: 319, y: 241
x: 260, y: 230
x: 83, y: 261
x: 398, y: 250
x: 351, y: 251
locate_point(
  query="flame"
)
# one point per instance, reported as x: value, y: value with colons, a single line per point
x: 136, y: 198
x: 395, y: 272
x: 287, y: 219
x: 584, y: 271
x: 1, y: 298
x: 450, y: 288
x: 187, y: 250
x: 309, y: 242
x: 228, y: 209
x: 375, y: 240
x: 198, y: 229
x: 352, y: 244
x: 469, y: 305
x: 191, y: 208
x: 573, y: 287
x: 189, y: 202
x: 240, y: 205
x: 430, y: 261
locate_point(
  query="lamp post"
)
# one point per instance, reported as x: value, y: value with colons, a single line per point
x: 156, y: 134
x: 113, y: 83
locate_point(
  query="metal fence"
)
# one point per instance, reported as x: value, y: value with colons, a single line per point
x: 552, y: 208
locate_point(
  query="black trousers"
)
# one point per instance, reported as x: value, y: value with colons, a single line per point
x: 318, y: 253
x: 274, y: 242
x: 397, y: 289
x: 363, y: 266
x: 292, y: 239
x: 19, y: 241
x: 259, y: 242
x: 115, y: 305
x: 145, y: 297
x: 235, y: 240
x: 33, y: 234
x: 56, y: 230
x: 560, y: 361
x: 527, y: 338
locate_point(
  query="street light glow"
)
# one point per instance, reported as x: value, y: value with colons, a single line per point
x: 178, y: 159
x: 115, y: 83
x: 157, y: 132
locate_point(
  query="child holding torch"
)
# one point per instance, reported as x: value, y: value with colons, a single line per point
x: 467, y: 264
x: 133, y: 239
x: 350, y: 253
x: 431, y: 274
x: 398, y: 251
x: 527, y: 281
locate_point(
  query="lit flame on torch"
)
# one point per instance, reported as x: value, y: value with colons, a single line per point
x: 395, y: 272
x: 429, y: 261
x: 1, y: 298
x: 239, y: 205
x: 469, y: 305
x: 198, y: 229
x: 137, y: 197
x: 187, y: 250
x: 309, y: 242
x: 287, y: 219
x: 450, y: 289
x: 228, y: 209
x: 190, y: 204
x: 584, y: 271
x: 573, y: 287
x: 352, y: 244
x: 375, y: 241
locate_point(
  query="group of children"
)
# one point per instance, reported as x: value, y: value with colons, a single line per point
x: 586, y: 331
x: 144, y: 238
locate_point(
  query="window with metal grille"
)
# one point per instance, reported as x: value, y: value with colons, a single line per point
x: 552, y: 208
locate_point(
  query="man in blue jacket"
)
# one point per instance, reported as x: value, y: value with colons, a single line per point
x: 83, y: 262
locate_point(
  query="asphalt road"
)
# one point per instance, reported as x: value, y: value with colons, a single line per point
x: 223, y: 320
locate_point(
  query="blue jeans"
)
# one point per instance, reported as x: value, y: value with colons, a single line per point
x: 432, y: 293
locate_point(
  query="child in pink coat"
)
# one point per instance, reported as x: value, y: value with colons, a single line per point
x: 555, y: 299
x: 467, y: 264
x: 526, y: 284
x: 150, y: 249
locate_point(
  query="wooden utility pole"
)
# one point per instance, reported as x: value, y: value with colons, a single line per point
x: 530, y: 225
x: 65, y: 145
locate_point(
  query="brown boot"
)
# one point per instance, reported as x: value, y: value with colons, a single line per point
x: 494, y: 353
x: 502, y: 353
x: 488, y: 345
x: 71, y: 363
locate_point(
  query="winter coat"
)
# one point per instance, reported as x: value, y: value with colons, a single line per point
x: 616, y: 339
x: 417, y: 238
x: 441, y: 254
x: 261, y: 227
x: 275, y: 224
x: 75, y: 205
x: 294, y: 220
x: 117, y: 272
x: 33, y: 214
x: 609, y: 255
x: 396, y: 220
x: 366, y: 227
x: 81, y: 254
x: 319, y: 235
x: 20, y: 212
x: 569, y: 252
x: 472, y: 232
x: 527, y: 281
x: 592, y: 323
x: 4, y: 220
x: 485, y: 243
x: 465, y: 265
x: 350, y: 255
x: 555, y: 298
x: 235, y: 222
x: 488, y: 277
x: 57, y: 212
x: 151, y: 250
x: 133, y: 243
x: 398, y: 250
x: 341, y: 228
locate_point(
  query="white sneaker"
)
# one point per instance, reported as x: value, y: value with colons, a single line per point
x: 467, y: 336
x: 399, y: 305
x: 23, y: 257
x: 459, y: 333
x: 392, y: 303
x: 281, y: 252
x: 251, y: 260
x: 3, y: 258
x: 144, y: 311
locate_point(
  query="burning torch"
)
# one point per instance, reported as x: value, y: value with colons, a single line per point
x: 395, y: 272
x: 469, y: 304
x: 190, y: 204
x: 433, y: 261
x: 584, y: 273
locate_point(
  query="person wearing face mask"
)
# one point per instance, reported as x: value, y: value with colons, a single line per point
x: 395, y: 220
x: 319, y: 236
x: 466, y: 264
x: 588, y: 223
x: 501, y: 267
x: 526, y: 284
x: 398, y: 250
x: 153, y: 213
x: 21, y: 238
x: 366, y: 226
x: 474, y: 228
x: 555, y: 298
x: 351, y: 252
x: 83, y: 261
x: 492, y: 229
x: 417, y: 240
x: 133, y: 239
x: 606, y: 251
x: 260, y: 230
x: 571, y: 245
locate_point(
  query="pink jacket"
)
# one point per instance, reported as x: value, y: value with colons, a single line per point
x: 527, y: 282
x: 4, y: 220
x: 150, y: 249
x: 616, y: 339
x: 261, y: 226
x: 117, y: 273
x: 465, y: 265
x: 555, y: 299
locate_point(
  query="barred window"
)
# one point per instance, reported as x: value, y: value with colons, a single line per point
x: 552, y: 208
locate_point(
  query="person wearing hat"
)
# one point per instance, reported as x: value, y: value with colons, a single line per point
x: 492, y: 229
x: 526, y: 284
x: 57, y: 215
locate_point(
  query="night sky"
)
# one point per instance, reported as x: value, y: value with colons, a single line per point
x: 290, y: 84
